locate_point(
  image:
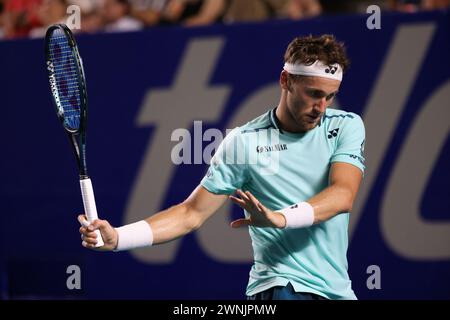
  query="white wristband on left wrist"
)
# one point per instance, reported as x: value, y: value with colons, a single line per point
x: 299, y: 215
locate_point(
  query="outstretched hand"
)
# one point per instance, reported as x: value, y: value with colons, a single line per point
x: 89, y: 237
x: 260, y: 216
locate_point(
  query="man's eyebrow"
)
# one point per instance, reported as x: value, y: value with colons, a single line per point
x: 315, y: 89
x: 320, y: 91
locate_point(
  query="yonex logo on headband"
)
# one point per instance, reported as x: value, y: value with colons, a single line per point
x: 331, y: 70
x: 317, y: 69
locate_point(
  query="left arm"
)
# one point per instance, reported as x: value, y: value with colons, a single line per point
x: 338, y: 197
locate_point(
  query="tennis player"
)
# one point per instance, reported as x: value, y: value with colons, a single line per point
x: 296, y: 210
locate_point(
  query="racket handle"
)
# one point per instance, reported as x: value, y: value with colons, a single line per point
x: 90, y: 209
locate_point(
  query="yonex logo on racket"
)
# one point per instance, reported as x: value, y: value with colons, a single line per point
x: 53, y: 86
x: 50, y: 66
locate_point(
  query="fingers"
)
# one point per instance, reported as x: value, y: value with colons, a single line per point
x: 85, y: 233
x: 90, y: 245
x: 240, y: 223
x: 99, y: 224
x: 244, y: 202
x: 242, y: 194
x: 88, y: 236
x: 91, y: 226
x: 259, y: 215
x: 248, y: 201
x: 89, y: 233
x: 82, y: 220
x: 253, y: 200
x: 89, y: 239
x: 238, y: 201
x: 262, y: 209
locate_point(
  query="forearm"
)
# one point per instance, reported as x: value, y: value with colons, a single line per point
x: 173, y: 223
x: 168, y: 224
x: 331, y: 201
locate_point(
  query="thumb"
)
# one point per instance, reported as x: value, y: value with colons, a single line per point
x: 240, y: 223
x: 98, y: 224
x: 83, y: 221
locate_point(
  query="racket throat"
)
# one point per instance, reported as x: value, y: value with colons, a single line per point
x: 79, y: 149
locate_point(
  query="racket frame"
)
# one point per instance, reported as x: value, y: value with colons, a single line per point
x: 77, y: 137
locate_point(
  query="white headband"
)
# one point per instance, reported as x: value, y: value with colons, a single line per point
x: 317, y: 69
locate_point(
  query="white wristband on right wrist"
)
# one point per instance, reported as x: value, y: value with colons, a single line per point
x: 299, y: 215
x: 134, y: 235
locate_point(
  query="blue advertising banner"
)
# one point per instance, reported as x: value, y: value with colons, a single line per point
x: 144, y: 86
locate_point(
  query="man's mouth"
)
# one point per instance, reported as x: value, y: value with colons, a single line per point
x: 312, y: 118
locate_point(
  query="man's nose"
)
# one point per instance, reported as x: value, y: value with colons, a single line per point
x: 321, y: 105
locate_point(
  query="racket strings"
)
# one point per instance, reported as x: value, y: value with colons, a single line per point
x: 66, y: 78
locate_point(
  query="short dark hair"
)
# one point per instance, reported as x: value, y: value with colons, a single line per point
x: 310, y: 48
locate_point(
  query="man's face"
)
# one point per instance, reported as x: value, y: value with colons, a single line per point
x: 307, y: 99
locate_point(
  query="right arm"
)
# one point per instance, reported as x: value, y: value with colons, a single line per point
x: 166, y: 225
x: 185, y: 217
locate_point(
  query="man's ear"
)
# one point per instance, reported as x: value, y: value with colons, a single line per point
x: 284, y: 81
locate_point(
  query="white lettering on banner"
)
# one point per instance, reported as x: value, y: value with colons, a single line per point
x: 74, y: 280
x: 374, y: 20
x: 385, y: 105
x: 190, y: 98
x: 374, y: 280
x: 406, y: 232
x: 74, y: 18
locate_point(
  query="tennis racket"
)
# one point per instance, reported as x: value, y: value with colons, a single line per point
x: 68, y: 88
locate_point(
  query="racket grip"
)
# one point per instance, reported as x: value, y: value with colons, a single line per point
x: 87, y: 192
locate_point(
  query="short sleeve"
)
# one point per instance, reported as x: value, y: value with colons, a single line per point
x: 350, y: 143
x: 228, y: 170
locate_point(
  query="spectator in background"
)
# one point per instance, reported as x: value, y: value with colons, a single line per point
x: 299, y: 9
x: 412, y: 6
x: 116, y: 16
x: 248, y: 11
x: 210, y: 12
x: 49, y: 12
x: 406, y: 5
x: 149, y: 12
x: 231, y: 11
x: 163, y: 12
x: 435, y: 4
x: 91, y: 18
x: 19, y: 17
x: 1, y: 19
x: 87, y: 5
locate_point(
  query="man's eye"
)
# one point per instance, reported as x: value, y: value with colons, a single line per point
x: 316, y: 94
x: 330, y: 96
